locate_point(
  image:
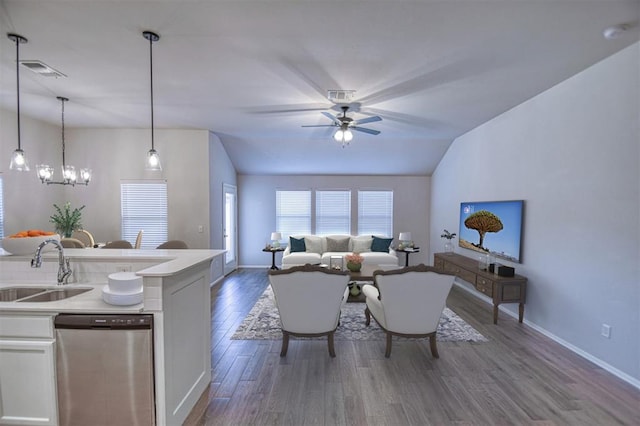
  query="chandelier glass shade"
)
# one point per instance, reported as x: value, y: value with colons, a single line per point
x: 153, y: 159
x: 18, y: 158
x: 69, y: 174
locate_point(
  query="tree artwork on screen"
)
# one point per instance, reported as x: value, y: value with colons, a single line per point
x: 483, y: 221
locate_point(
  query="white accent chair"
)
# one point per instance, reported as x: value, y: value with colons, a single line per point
x: 309, y: 299
x: 408, y: 302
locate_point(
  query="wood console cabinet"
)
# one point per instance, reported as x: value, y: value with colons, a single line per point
x: 500, y: 289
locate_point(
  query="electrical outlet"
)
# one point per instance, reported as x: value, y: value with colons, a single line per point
x: 606, y: 331
x: 200, y: 229
x: 123, y: 268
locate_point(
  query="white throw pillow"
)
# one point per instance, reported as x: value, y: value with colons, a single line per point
x: 313, y: 244
x: 362, y: 244
x: 338, y: 245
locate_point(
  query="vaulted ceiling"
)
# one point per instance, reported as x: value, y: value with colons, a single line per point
x: 253, y: 72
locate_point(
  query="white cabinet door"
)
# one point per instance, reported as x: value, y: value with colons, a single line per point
x: 27, y: 382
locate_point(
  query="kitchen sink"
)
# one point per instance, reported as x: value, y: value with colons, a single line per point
x: 52, y: 295
x: 10, y: 294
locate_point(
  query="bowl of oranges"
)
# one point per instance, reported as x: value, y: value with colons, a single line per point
x: 26, y: 242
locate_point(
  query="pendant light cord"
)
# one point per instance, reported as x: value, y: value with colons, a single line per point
x: 18, y: 85
x: 151, y: 74
x: 63, y: 162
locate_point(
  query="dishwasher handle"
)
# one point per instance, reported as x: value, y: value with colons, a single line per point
x: 104, y: 322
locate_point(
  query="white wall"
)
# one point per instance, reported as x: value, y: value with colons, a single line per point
x: 257, y: 200
x: 573, y: 154
x: 113, y: 154
x: 119, y: 154
x: 27, y: 203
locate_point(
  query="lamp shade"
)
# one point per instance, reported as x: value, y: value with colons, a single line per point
x: 276, y: 236
x: 405, y: 236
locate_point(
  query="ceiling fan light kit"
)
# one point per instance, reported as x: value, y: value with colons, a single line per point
x: 69, y: 174
x: 343, y: 135
x: 346, y: 124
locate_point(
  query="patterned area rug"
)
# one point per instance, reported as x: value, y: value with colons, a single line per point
x: 263, y: 323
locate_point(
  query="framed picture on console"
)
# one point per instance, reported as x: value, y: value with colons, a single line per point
x: 492, y: 227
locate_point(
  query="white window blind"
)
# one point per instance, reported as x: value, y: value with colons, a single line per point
x: 293, y: 213
x: 375, y: 213
x: 333, y: 212
x: 144, y: 207
x: 1, y: 209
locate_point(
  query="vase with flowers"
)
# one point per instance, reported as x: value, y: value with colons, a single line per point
x: 448, y: 245
x: 354, y: 261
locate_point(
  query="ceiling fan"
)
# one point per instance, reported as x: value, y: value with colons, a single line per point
x: 346, y: 124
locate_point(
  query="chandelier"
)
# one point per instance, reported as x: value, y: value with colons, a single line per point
x: 69, y: 174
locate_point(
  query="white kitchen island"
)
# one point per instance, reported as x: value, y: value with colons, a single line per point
x: 176, y: 286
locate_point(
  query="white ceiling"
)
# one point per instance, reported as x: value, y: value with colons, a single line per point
x: 253, y: 72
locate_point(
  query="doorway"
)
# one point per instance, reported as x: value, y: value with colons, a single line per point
x: 230, y: 227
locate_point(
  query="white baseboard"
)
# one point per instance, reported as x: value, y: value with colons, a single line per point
x: 600, y: 363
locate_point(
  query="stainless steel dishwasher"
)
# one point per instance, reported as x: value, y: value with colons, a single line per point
x: 105, y: 369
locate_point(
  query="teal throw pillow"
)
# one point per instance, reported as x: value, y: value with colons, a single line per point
x: 297, y: 244
x: 381, y: 244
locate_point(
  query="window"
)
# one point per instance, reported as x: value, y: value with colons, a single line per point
x: 333, y: 212
x: 1, y: 210
x: 293, y: 213
x: 375, y: 213
x: 144, y: 207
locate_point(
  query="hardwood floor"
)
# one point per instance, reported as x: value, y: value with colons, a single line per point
x: 520, y: 377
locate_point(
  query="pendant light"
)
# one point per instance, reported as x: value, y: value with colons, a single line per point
x: 153, y: 159
x: 69, y: 174
x: 18, y: 158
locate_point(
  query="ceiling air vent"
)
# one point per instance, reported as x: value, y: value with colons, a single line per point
x: 41, y: 68
x: 341, y: 96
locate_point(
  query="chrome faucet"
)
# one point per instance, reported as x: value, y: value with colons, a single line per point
x: 64, y: 270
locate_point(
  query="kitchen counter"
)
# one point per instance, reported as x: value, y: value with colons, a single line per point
x: 168, y: 262
x: 90, y: 301
x: 176, y: 285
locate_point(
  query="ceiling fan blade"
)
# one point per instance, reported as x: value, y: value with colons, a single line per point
x: 365, y: 130
x: 318, y: 125
x: 287, y: 108
x: 368, y: 120
x: 331, y: 117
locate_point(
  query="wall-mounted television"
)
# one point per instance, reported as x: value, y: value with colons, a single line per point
x: 492, y: 227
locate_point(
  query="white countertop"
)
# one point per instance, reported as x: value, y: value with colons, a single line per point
x: 90, y: 301
x: 174, y: 260
x: 171, y: 263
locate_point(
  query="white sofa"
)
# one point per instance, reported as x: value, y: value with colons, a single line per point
x: 317, y: 250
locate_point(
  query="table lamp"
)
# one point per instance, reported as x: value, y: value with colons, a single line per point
x: 275, y: 239
x: 405, y: 240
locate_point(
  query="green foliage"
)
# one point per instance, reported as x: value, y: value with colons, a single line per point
x: 66, y: 220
